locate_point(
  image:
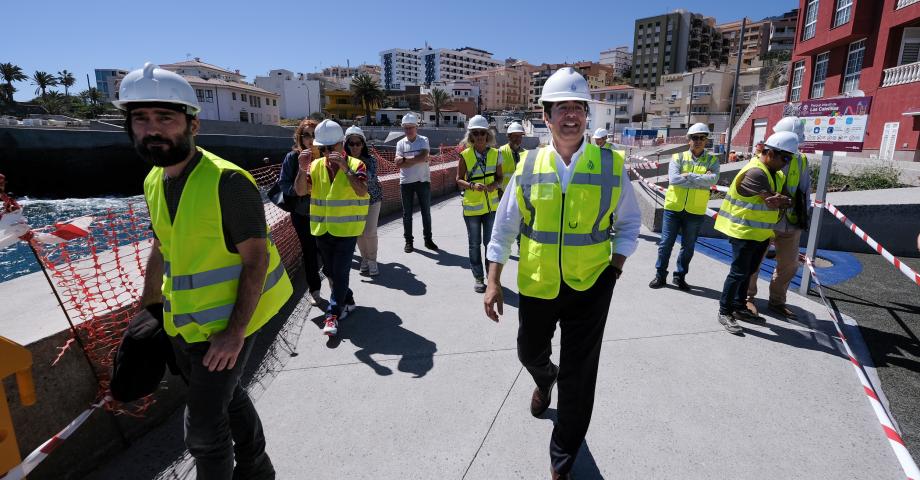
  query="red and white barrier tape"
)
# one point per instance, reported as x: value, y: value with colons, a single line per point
x: 907, y: 271
x: 36, y: 457
x: 884, y: 418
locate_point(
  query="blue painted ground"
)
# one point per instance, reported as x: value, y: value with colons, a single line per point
x: 844, y: 265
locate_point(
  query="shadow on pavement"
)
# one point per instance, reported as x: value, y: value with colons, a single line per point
x: 585, y: 467
x: 398, y: 277
x: 446, y: 258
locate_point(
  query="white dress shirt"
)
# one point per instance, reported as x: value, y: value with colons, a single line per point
x: 626, y: 221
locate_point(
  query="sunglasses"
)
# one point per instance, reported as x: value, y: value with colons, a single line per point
x: 326, y: 149
x: 306, y: 135
x: 785, y: 157
x: 478, y: 133
x: 699, y: 138
x: 356, y: 144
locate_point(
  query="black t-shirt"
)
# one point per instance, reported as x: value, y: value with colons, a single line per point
x: 242, y: 212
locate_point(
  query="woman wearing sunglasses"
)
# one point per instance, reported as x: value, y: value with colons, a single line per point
x: 479, y: 176
x: 293, y: 180
x: 356, y: 145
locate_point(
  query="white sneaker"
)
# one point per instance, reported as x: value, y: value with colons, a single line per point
x: 314, y: 298
x: 332, y: 326
x: 346, y: 310
x: 364, y: 266
x: 372, y: 269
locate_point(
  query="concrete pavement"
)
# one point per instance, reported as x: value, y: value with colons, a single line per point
x: 421, y: 385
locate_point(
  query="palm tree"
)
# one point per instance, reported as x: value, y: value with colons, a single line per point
x: 54, y: 102
x: 11, y: 73
x: 367, y: 91
x: 66, y: 79
x: 437, y: 100
x: 43, y: 80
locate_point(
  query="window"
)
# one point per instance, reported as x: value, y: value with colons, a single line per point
x: 798, y: 72
x: 842, y: 14
x: 244, y: 117
x: 854, y: 66
x: 267, y: 101
x: 274, y: 102
x: 234, y: 95
x: 209, y: 96
x: 811, y: 20
x: 910, y: 46
x: 243, y: 97
x: 817, y: 86
x: 200, y: 94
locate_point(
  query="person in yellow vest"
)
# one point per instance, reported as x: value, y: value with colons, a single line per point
x: 213, y: 272
x: 747, y: 216
x: 511, y: 153
x: 339, y: 203
x: 479, y: 176
x: 600, y: 138
x: 690, y: 175
x: 564, y: 199
x: 787, y: 234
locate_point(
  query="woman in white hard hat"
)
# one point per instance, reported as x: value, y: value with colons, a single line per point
x: 479, y: 176
x: 293, y: 182
x: 367, y: 242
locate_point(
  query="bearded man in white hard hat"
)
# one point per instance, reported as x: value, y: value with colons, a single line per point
x: 600, y: 137
x: 213, y: 275
x: 511, y: 153
x: 788, y: 230
x: 564, y: 199
x: 747, y: 216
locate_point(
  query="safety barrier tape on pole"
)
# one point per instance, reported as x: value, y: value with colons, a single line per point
x: 894, y: 438
x: 39, y: 454
x: 910, y: 273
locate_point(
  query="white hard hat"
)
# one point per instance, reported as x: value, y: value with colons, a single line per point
x: 355, y: 130
x: 698, y: 128
x: 784, y: 141
x: 791, y: 124
x: 565, y: 84
x: 478, y: 123
x: 515, y: 127
x: 410, y: 119
x: 600, y: 133
x: 154, y: 84
x: 327, y: 134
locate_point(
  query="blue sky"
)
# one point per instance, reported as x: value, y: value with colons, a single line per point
x: 256, y: 37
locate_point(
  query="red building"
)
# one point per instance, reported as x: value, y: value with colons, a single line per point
x: 846, y: 46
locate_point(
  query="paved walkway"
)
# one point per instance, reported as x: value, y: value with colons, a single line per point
x: 422, y: 385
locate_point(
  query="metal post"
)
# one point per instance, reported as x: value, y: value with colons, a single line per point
x: 690, y: 105
x: 643, y: 110
x: 616, y: 104
x: 731, y: 118
x: 815, y: 228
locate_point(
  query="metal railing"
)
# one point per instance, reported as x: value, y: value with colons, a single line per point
x: 902, y: 74
x: 903, y: 3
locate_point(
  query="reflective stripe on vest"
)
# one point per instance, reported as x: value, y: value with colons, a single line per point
x: 796, y: 167
x: 474, y: 202
x: 694, y: 200
x: 335, y: 208
x: 565, y: 237
x: 509, y: 165
x: 201, y: 277
x: 749, y: 218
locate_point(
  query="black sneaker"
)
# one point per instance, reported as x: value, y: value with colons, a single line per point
x: 746, y: 315
x: 681, y: 284
x: 657, y: 282
x: 430, y: 245
x: 409, y: 248
x: 479, y: 286
x: 731, y: 326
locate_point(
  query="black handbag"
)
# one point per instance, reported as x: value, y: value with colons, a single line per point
x: 276, y: 195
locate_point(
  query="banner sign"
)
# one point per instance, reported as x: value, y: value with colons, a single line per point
x: 836, y: 124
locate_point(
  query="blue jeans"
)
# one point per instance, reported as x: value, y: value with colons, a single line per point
x: 687, y: 225
x: 422, y: 190
x: 746, y: 257
x: 221, y: 424
x: 336, y: 253
x: 478, y: 232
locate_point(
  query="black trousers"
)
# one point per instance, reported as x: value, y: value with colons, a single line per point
x: 746, y: 257
x: 301, y: 225
x: 582, y: 317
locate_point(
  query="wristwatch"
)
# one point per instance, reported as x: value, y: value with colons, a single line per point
x: 350, y: 172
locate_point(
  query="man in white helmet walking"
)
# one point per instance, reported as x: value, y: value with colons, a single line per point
x: 564, y: 199
x: 787, y: 234
x: 213, y: 275
x: 511, y: 153
x: 600, y: 138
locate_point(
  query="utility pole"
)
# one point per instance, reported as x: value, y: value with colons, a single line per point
x: 690, y: 105
x: 643, y: 110
x: 616, y: 104
x: 731, y: 117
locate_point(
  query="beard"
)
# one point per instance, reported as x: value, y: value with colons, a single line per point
x: 160, y: 151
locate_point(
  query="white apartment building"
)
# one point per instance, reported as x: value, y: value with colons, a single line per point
x: 504, y: 88
x: 616, y: 108
x: 619, y: 57
x: 299, y: 96
x: 424, y: 66
x: 223, y: 95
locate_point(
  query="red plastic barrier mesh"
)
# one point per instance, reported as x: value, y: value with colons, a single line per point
x: 100, y: 277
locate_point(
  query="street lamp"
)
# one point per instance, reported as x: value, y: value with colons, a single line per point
x: 692, y: 84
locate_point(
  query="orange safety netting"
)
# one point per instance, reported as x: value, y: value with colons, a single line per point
x: 100, y: 277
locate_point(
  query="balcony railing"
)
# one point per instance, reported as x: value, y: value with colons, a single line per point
x: 902, y: 74
x: 904, y: 3
x: 769, y: 97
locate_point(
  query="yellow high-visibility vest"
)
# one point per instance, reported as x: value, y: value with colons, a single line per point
x: 693, y: 200
x: 749, y: 218
x: 508, y: 163
x: 334, y: 206
x: 479, y: 203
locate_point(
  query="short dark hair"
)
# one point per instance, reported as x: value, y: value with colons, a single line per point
x: 548, y: 106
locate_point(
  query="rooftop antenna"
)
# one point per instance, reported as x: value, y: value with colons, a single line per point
x: 188, y: 56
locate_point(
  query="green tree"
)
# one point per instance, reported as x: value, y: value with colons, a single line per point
x: 366, y: 91
x: 54, y: 102
x: 11, y: 73
x: 437, y: 100
x: 43, y: 80
x: 66, y: 79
